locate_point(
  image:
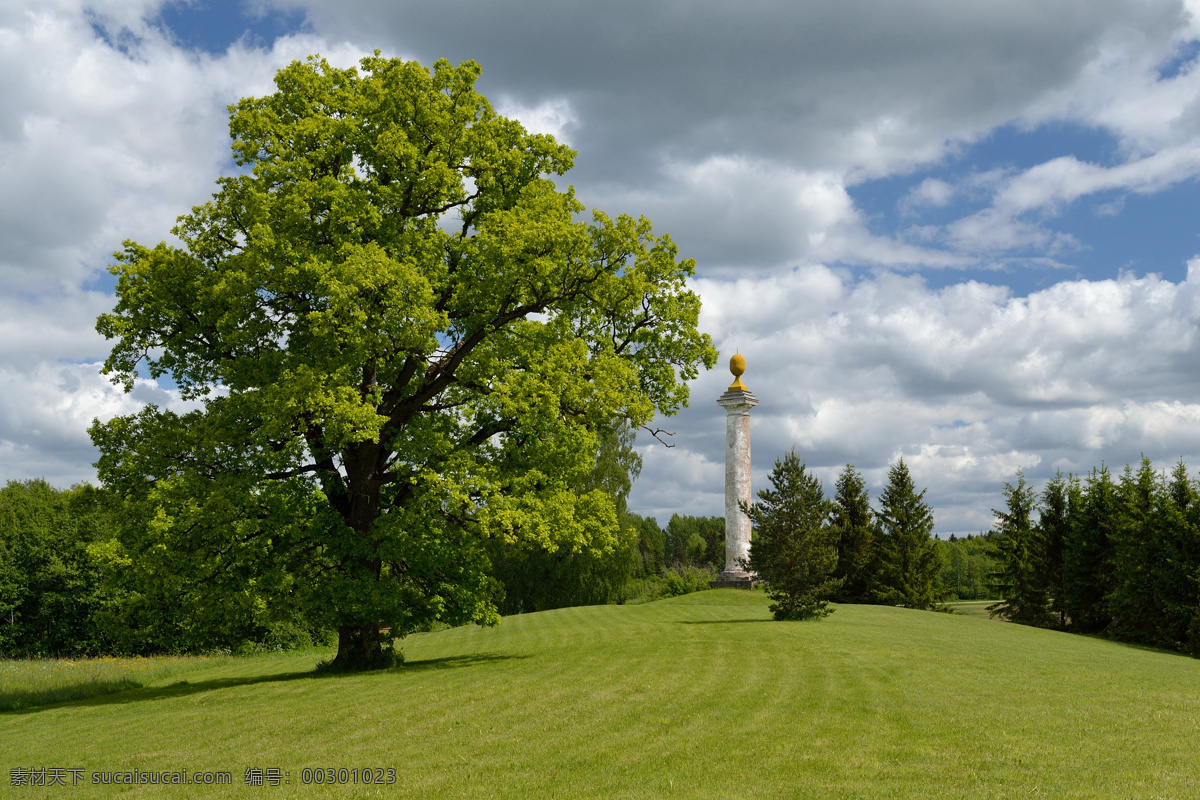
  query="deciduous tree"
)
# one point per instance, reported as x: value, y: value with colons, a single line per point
x: 399, y: 340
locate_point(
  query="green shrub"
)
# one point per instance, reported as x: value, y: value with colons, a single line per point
x: 685, y: 580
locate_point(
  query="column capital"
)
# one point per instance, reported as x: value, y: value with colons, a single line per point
x: 737, y: 401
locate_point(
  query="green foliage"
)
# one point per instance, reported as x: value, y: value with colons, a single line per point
x: 696, y: 541
x: 968, y: 567
x: 1121, y: 559
x: 617, y: 464
x: 909, y: 561
x: 404, y: 344
x: 536, y: 578
x: 794, y: 551
x: 50, y: 588
x: 1176, y: 572
x: 687, y: 579
x: 61, y: 594
x: 1087, y: 561
x: 855, y: 530
x: 1192, y: 645
x: 652, y: 545
x: 1021, y: 552
x: 1054, y: 529
x: 1136, y: 548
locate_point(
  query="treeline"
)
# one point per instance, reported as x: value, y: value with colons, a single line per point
x: 61, y: 595
x: 969, y: 567
x: 648, y: 561
x: 65, y: 592
x: 1118, y: 557
x: 50, y: 588
x: 66, y: 589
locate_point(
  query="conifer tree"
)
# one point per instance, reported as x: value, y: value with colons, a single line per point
x: 794, y: 549
x: 1137, y: 615
x: 1054, y: 525
x: 854, y: 528
x: 1087, y: 564
x: 1021, y: 553
x: 909, y: 561
x: 1177, y: 572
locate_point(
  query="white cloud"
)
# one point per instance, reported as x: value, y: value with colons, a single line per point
x: 930, y: 193
x: 738, y: 130
x: 741, y: 133
x: 97, y: 144
x: 100, y: 144
x: 967, y: 383
x: 45, y: 412
x: 554, y: 116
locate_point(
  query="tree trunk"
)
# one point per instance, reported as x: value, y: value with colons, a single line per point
x: 359, y: 643
x: 360, y: 648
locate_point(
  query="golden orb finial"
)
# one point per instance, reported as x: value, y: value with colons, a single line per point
x: 737, y: 365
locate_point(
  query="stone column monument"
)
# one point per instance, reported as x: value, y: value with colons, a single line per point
x: 737, y: 402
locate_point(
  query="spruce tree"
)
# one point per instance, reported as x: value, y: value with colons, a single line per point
x: 909, y: 561
x: 1177, y: 573
x: 794, y: 550
x: 854, y: 528
x: 1087, y: 562
x: 1054, y: 525
x: 1137, y: 615
x: 1021, y: 553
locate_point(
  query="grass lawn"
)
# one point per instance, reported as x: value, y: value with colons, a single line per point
x: 698, y: 696
x: 972, y: 608
x: 38, y: 682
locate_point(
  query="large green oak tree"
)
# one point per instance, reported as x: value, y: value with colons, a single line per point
x: 400, y: 341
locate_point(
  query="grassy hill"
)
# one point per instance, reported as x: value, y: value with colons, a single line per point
x: 700, y: 696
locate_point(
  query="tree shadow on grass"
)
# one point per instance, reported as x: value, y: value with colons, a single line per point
x: 104, y: 693
x: 454, y: 662
x: 719, y: 621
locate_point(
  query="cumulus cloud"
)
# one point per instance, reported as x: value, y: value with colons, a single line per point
x: 745, y: 132
x: 789, y: 104
x: 45, y: 413
x: 967, y: 383
x: 109, y: 132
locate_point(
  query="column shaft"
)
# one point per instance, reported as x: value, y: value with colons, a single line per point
x: 737, y: 487
x: 737, y: 403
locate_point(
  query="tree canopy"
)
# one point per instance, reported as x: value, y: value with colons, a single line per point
x: 50, y: 592
x: 400, y: 340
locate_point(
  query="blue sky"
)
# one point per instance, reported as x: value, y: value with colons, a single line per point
x: 962, y: 231
x: 212, y: 26
x: 1141, y: 233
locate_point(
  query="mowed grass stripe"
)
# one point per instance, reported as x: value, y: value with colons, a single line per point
x: 698, y: 696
